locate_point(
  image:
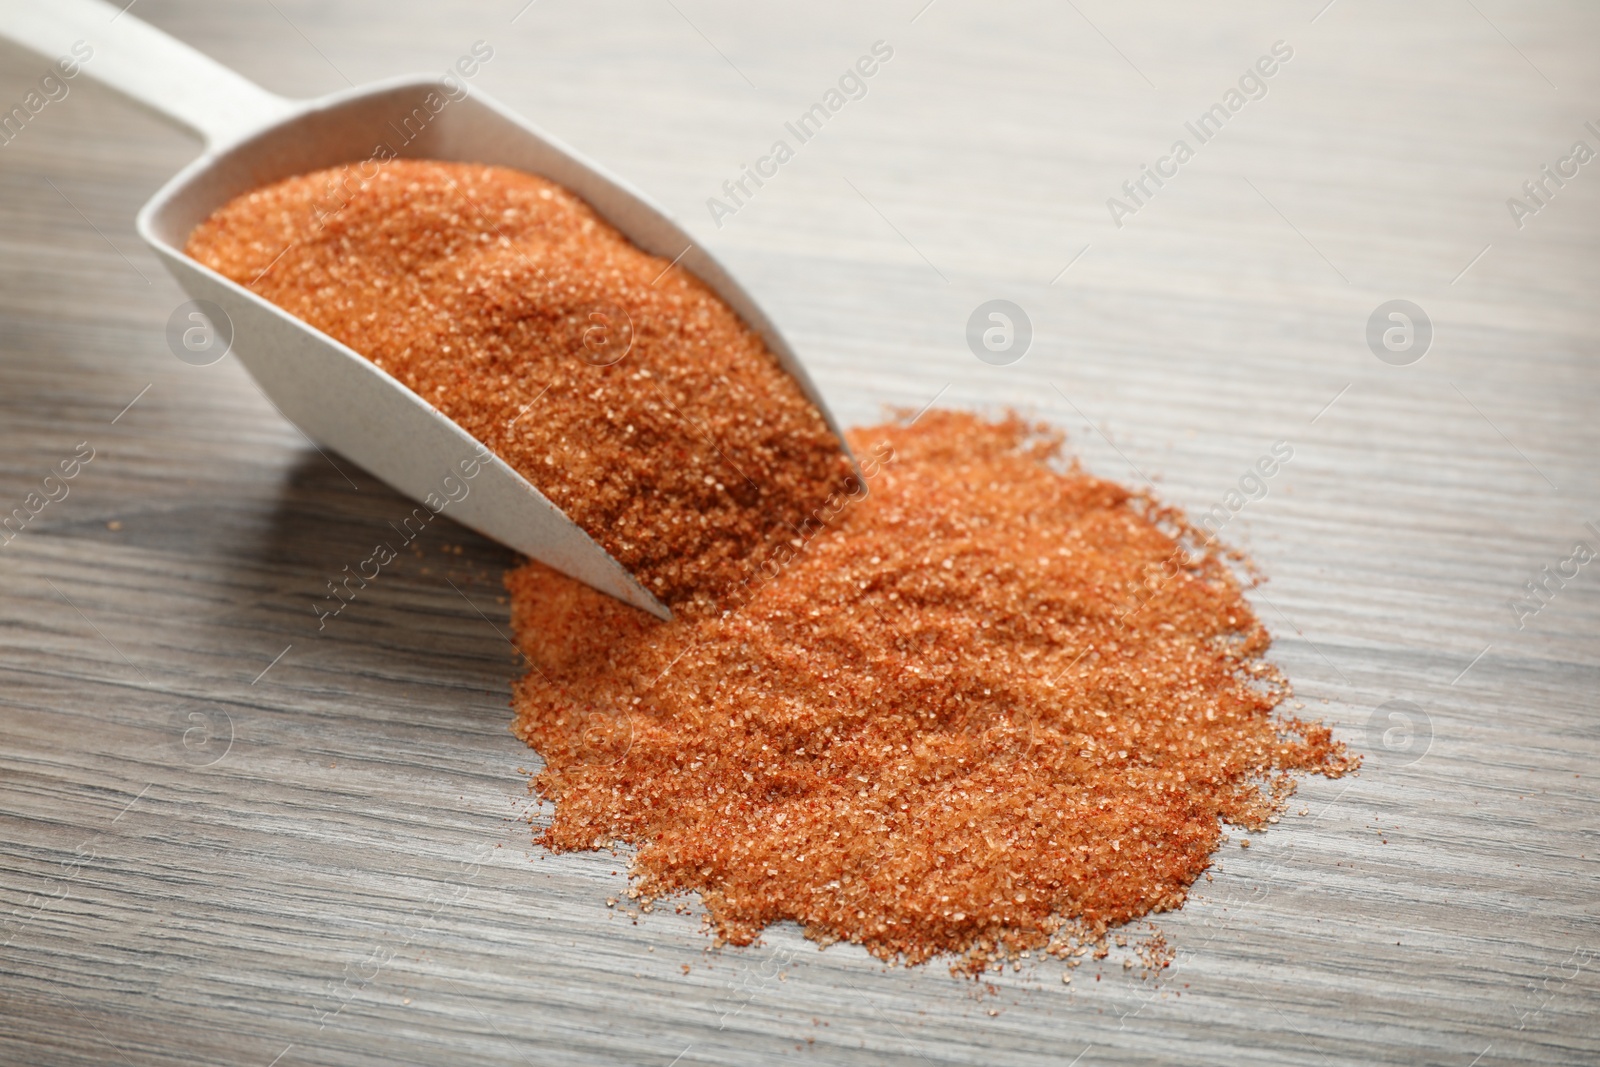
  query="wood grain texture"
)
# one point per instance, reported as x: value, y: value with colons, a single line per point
x: 330, y: 862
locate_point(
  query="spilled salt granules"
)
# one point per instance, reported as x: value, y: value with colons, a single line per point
x: 664, y: 427
x: 992, y: 703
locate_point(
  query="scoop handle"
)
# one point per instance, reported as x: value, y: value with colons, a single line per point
x: 105, y: 42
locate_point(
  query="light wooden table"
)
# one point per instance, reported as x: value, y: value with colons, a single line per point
x: 226, y: 837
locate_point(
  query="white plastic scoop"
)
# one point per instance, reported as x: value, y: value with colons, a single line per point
x: 331, y: 393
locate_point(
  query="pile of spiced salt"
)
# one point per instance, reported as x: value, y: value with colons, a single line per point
x: 993, y: 705
x: 979, y: 703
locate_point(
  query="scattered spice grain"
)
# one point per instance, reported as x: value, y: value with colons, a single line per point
x: 996, y: 705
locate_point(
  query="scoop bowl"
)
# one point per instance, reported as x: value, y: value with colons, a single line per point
x: 335, y: 396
